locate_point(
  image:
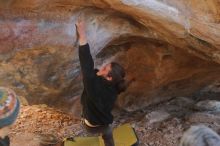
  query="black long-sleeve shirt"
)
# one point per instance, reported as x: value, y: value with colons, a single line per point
x: 99, y: 95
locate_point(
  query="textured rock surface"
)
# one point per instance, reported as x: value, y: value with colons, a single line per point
x: 170, y: 47
x: 208, y: 105
x: 200, y: 136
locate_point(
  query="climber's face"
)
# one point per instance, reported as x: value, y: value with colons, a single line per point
x: 104, y: 72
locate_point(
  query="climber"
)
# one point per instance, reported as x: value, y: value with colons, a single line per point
x: 101, y: 88
x: 9, y: 109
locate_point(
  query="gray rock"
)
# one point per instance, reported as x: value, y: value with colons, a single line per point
x: 182, y: 102
x: 200, y: 136
x: 208, y: 105
x: 157, y: 116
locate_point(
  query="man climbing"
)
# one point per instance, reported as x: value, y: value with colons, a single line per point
x: 101, y: 88
x: 9, y: 109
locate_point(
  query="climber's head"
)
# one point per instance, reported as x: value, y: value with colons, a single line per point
x: 104, y: 72
x: 114, y: 73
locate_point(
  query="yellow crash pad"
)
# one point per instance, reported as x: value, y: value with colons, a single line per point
x: 123, y: 136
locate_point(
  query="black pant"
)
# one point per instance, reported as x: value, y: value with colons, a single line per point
x: 105, y: 130
x: 5, y: 141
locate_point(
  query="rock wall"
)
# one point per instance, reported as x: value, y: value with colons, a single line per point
x: 171, y: 48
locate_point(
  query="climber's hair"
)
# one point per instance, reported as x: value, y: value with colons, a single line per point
x: 118, y: 74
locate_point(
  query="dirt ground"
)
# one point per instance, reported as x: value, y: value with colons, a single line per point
x: 158, y: 125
